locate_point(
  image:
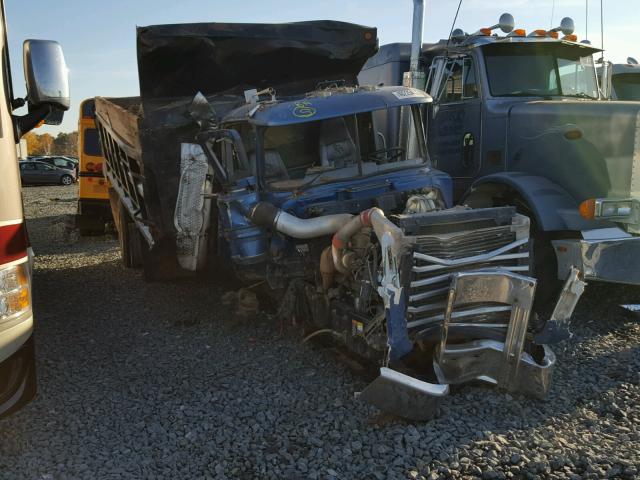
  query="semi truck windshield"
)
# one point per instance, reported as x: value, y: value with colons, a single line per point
x: 535, y: 70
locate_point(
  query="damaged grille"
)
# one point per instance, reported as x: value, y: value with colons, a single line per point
x: 456, y: 240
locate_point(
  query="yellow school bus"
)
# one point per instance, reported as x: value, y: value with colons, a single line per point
x: 94, y: 210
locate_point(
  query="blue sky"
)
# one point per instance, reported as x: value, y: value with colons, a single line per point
x: 98, y: 37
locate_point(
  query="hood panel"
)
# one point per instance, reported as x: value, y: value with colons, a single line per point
x: 598, y: 163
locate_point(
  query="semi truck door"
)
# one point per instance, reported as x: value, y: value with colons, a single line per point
x: 455, y: 123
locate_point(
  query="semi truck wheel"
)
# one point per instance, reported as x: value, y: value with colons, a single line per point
x: 129, y: 238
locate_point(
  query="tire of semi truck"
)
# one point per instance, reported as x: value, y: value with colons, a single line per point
x: 544, y: 265
x: 129, y: 238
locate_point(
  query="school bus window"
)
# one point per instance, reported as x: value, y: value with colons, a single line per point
x: 89, y: 109
x: 92, y: 143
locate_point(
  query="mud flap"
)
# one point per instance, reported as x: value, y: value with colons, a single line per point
x: 557, y: 327
x: 399, y: 394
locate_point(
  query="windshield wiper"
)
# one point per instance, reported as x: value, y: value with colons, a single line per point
x: 580, y: 95
x: 528, y: 93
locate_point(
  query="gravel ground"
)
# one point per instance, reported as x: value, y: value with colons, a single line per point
x: 159, y: 381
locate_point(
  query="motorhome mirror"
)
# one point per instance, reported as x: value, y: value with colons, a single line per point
x: 46, y: 74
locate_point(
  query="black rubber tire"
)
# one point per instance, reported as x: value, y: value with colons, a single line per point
x: 545, y: 271
x: 124, y: 234
x: 66, y: 180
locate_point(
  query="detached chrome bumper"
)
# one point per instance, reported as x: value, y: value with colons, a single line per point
x: 608, y: 255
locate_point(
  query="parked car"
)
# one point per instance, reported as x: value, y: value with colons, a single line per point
x: 37, y: 172
x: 59, y: 161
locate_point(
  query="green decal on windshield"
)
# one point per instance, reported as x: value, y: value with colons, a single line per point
x: 304, y: 110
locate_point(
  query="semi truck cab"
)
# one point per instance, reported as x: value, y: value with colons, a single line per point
x: 622, y: 80
x: 518, y: 118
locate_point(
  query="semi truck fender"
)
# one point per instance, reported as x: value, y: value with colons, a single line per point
x: 552, y: 208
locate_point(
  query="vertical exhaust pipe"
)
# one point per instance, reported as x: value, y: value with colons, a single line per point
x: 415, y: 78
x: 416, y: 36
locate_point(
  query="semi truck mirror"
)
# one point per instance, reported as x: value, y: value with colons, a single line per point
x: 506, y: 23
x: 202, y: 111
x: 46, y: 74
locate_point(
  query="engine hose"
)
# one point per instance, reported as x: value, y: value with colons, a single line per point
x: 373, y: 217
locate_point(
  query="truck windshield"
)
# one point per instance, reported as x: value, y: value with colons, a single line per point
x: 540, y: 70
x: 331, y: 150
x: 627, y: 86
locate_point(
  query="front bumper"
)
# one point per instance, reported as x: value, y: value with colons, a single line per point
x: 607, y: 255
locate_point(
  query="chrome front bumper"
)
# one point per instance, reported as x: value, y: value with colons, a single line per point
x: 608, y: 255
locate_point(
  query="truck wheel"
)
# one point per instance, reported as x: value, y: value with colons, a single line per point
x: 124, y: 234
x: 545, y: 270
x: 136, y: 245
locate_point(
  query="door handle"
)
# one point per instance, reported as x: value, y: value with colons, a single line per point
x: 468, y: 143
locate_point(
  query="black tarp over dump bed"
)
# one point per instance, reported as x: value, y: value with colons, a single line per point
x: 222, y: 60
x: 179, y: 60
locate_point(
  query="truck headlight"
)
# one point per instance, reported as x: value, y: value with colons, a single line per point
x: 15, y: 291
x: 615, y: 209
x: 610, y: 209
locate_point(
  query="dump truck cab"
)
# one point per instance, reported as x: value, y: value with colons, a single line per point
x: 319, y: 154
x: 518, y: 119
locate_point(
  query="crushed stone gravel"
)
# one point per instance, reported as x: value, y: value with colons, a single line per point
x: 157, y: 380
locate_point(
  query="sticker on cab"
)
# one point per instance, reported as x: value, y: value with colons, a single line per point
x: 357, y: 328
x: 303, y: 109
x: 407, y: 93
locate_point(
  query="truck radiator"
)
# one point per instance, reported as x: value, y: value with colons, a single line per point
x: 460, y: 240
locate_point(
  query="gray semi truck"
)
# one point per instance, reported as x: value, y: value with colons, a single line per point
x: 517, y: 119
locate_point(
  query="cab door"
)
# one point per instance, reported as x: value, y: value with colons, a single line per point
x: 454, y: 126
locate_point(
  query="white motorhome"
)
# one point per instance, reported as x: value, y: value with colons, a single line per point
x: 47, y: 97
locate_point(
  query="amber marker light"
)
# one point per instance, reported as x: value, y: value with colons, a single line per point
x: 588, y: 209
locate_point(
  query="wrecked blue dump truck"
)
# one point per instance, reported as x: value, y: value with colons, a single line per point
x: 252, y: 149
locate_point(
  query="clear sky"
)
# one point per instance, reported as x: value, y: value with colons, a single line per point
x: 98, y: 37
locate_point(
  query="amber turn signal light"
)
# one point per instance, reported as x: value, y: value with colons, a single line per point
x: 588, y: 209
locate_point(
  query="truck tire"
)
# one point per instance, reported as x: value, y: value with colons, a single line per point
x: 124, y: 233
x: 543, y: 263
x: 131, y: 242
x: 545, y: 270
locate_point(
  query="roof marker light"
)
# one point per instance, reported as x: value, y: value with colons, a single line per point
x: 570, y: 38
x: 553, y: 35
x: 518, y: 32
x: 538, y: 33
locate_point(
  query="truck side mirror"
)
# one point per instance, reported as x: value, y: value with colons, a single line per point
x: 46, y: 75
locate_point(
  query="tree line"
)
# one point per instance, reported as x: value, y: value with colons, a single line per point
x: 46, y: 144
